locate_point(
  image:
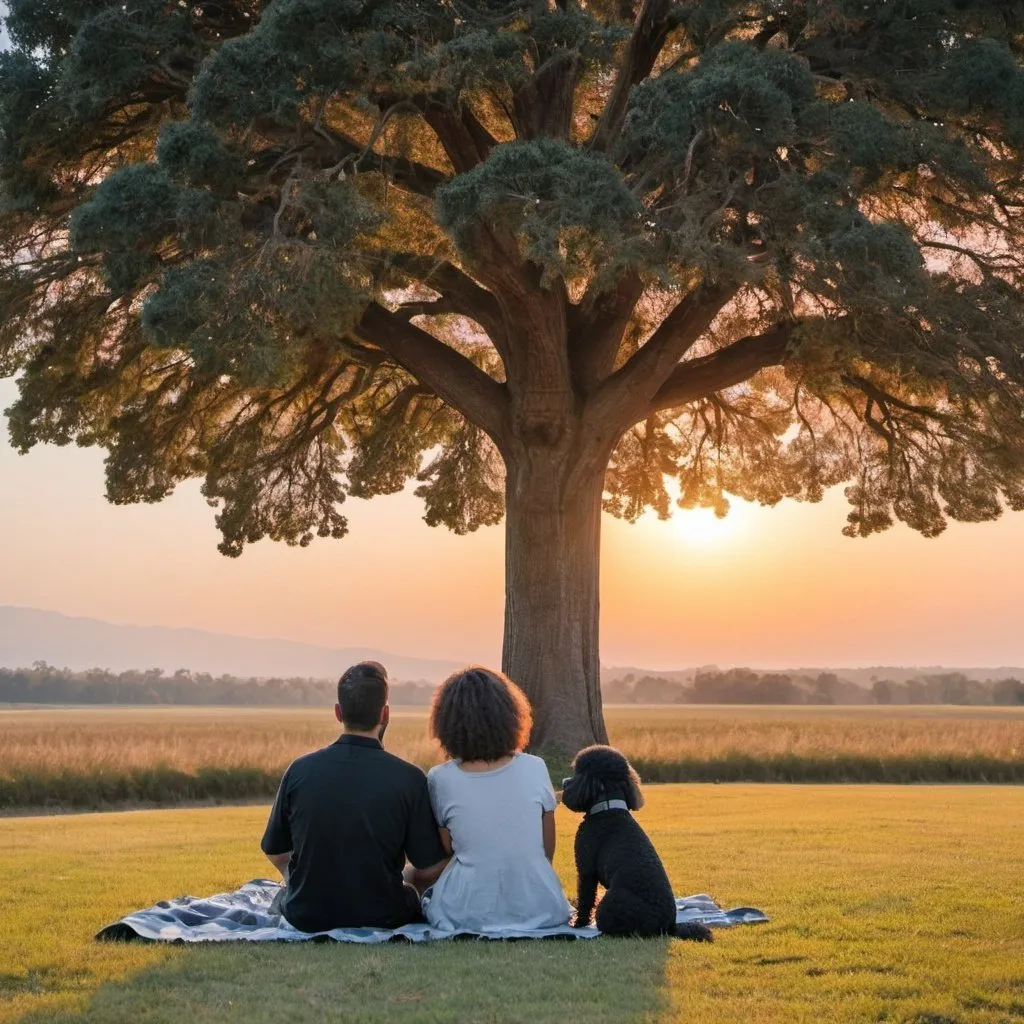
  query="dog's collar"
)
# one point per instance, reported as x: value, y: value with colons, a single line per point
x: 608, y: 805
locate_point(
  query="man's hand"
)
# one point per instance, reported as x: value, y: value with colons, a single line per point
x: 423, y: 878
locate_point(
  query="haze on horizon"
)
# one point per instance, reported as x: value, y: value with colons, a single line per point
x: 768, y: 587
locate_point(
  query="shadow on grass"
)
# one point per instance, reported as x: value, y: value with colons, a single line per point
x: 605, y: 980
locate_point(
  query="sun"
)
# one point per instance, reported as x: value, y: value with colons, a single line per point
x: 702, y: 528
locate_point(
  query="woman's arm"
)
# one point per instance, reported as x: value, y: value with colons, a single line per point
x: 547, y: 823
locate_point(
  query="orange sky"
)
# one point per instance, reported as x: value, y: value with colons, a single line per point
x: 767, y: 587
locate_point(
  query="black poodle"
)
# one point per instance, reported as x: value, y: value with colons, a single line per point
x: 613, y: 850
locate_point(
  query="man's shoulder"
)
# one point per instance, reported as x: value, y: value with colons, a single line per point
x: 309, y: 761
x: 402, y: 767
x: 338, y: 756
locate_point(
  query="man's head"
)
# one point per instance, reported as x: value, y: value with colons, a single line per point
x: 363, y: 698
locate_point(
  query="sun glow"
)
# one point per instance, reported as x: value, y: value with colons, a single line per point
x: 701, y: 527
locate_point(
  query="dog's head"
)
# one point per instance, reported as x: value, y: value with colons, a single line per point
x: 601, y: 773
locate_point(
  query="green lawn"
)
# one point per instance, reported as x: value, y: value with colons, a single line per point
x: 888, y: 903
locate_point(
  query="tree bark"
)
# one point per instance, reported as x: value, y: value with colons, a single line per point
x: 552, y: 568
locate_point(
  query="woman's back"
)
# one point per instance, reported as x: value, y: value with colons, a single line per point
x: 498, y: 876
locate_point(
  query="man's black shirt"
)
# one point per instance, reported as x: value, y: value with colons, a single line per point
x: 350, y: 814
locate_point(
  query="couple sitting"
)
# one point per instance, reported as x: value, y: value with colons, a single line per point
x: 479, y: 828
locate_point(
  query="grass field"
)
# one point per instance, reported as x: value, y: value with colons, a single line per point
x: 82, y: 758
x: 887, y: 904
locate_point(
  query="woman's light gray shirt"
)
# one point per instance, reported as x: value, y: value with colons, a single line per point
x: 498, y: 876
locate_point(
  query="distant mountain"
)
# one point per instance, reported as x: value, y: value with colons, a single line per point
x: 28, y: 635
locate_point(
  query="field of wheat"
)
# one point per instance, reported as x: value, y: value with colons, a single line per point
x: 88, y: 739
x: 79, y: 758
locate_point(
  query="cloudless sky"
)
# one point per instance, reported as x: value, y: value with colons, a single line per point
x: 767, y: 587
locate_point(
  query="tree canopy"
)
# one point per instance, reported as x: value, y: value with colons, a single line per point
x: 278, y: 246
x: 304, y: 249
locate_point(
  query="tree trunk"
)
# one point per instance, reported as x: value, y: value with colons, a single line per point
x: 552, y: 563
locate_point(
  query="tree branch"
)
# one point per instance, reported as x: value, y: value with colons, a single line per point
x: 883, y: 398
x: 544, y: 106
x: 698, y: 378
x: 473, y: 300
x: 465, y: 140
x: 449, y: 374
x: 650, y: 31
x: 430, y: 307
x: 349, y: 156
x: 596, y: 331
x: 625, y: 397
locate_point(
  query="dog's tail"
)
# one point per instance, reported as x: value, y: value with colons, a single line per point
x: 694, y: 931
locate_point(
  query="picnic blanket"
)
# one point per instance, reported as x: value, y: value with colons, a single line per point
x: 245, y: 915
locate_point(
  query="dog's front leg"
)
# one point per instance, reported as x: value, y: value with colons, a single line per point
x: 586, y: 897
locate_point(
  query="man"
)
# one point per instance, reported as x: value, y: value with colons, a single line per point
x: 346, y: 818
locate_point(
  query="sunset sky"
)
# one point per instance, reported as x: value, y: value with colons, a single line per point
x: 765, y: 587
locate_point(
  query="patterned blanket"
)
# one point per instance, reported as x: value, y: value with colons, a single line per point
x: 245, y: 915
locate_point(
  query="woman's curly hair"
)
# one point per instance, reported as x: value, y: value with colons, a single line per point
x: 480, y: 715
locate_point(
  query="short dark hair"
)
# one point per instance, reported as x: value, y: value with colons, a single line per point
x: 480, y: 715
x: 362, y: 694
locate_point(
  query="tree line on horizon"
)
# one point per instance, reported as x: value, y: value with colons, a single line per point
x: 747, y: 686
x: 45, y: 684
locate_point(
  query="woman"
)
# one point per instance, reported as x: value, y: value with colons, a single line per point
x: 495, y: 808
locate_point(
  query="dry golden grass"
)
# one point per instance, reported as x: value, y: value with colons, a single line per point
x: 188, y: 739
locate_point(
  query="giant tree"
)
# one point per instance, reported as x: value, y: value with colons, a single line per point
x: 540, y: 255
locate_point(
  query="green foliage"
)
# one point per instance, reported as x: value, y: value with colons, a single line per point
x: 48, y: 25
x: 193, y: 152
x: 242, y: 81
x: 461, y: 489
x: 24, y: 86
x: 985, y: 76
x: 115, y: 49
x: 747, y: 99
x: 129, y: 213
x: 570, y: 208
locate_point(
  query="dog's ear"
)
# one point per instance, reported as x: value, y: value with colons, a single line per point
x: 634, y: 798
x: 572, y: 793
x: 579, y: 792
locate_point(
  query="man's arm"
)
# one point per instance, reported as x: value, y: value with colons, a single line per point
x: 428, y: 848
x: 424, y: 878
x: 277, y: 839
x: 280, y: 861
